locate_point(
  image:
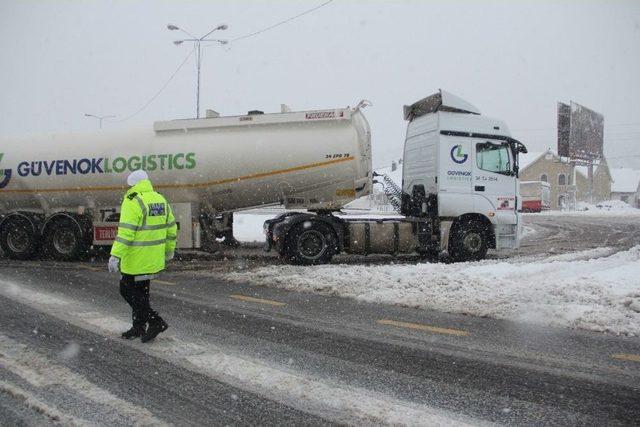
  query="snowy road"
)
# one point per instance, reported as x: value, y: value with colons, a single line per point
x: 237, y: 353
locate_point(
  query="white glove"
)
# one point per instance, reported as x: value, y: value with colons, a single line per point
x: 168, y: 256
x: 113, y: 265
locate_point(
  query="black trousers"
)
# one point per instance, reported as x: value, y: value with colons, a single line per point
x: 136, y: 294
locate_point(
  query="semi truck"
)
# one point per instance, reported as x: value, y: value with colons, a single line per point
x: 60, y: 194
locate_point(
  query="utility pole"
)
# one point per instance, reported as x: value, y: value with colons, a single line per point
x: 197, y: 41
x: 100, y: 118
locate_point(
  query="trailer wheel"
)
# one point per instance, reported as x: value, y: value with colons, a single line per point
x: 18, y: 238
x: 63, y: 240
x: 468, y: 242
x: 310, y: 243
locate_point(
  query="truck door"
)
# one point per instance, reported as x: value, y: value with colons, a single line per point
x: 455, y: 179
x: 494, y: 184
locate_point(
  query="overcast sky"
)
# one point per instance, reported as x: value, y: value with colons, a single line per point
x: 512, y: 59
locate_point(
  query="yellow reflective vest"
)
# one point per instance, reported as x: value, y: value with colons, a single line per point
x: 146, y: 232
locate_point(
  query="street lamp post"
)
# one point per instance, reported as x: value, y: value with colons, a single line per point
x: 197, y: 41
x: 100, y: 118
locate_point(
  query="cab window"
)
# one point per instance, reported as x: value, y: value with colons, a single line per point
x: 493, y: 157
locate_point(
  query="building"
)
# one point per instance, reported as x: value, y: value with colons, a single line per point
x: 569, y: 183
x: 626, y: 186
x: 548, y: 167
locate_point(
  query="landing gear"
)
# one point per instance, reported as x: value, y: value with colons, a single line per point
x: 227, y: 235
x: 310, y: 242
x: 217, y: 230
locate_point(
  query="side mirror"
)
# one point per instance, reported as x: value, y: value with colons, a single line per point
x: 521, y: 148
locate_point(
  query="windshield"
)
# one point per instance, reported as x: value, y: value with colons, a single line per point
x: 494, y: 157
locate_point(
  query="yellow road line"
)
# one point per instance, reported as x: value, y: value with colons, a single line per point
x: 627, y: 357
x: 88, y: 267
x: 163, y: 282
x: 422, y: 327
x: 258, y: 300
x: 191, y: 185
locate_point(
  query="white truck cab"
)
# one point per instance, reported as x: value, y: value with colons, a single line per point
x: 461, y: 170
x: 459, y: 193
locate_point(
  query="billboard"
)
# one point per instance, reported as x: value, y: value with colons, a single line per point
x: 580, y: 132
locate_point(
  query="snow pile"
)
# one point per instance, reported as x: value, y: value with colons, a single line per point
x: 576, y: 290
x: 615, y: 205
x: 609, y: 205
x: 528, y: 231
x: 608, y: 208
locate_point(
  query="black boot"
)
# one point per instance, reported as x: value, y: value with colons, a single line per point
x: 134, y: 332
x: 156, y: 325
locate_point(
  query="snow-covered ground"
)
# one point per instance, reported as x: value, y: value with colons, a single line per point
x: 595, y: 289
x: 601, y: 209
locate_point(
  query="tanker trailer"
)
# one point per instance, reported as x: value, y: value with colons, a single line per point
x: 61, y: 193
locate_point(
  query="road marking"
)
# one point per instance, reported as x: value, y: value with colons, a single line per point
x: 422, y: 327
x: 258, y: 300
x: 88, y: 267
x: 627, y: 357
x: 164, y: 282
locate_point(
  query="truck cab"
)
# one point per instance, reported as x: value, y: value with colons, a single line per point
x: 461, y: 172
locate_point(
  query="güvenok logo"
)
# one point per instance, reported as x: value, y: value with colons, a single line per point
x: 5, y: 174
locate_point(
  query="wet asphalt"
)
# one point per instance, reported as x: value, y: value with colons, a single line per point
x: 480, y: 370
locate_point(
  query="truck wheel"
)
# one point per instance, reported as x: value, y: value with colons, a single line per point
x: 63, y: 241
x: 310, y: 243
x: 468, y: 242
x: 18, y: 239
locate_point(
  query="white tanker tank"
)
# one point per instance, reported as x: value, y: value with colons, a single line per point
x: 317, y: 160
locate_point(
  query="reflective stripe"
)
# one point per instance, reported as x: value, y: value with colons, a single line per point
x: 155, y: 227
x: 146, y: 227
x: 148, y: 243
x: 171, y: 237
x: 123, y: 241
x: 128, y: 226
x: 169, y: 213
x: 144, y: 210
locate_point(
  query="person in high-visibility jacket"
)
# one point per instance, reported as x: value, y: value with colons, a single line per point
x: 146, y: 239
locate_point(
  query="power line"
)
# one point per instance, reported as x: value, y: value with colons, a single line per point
x: 157, y: 94
x: 246, y: 36
x: 271, y: 27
